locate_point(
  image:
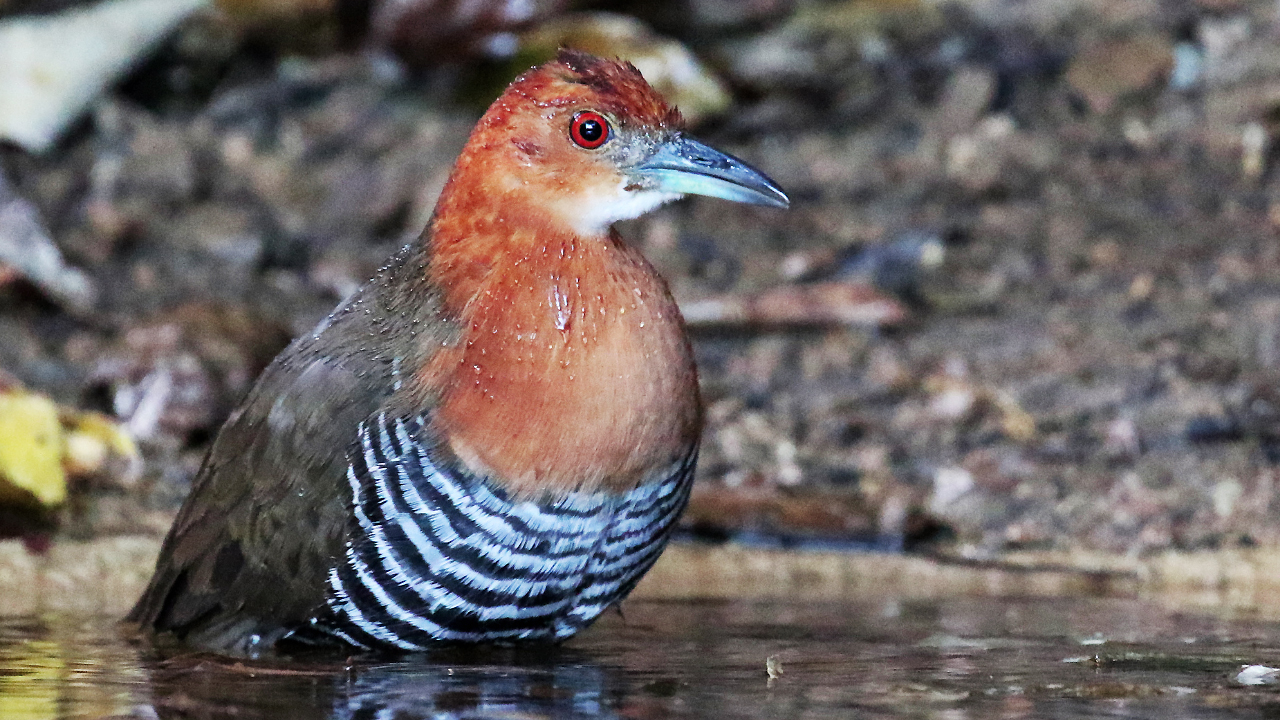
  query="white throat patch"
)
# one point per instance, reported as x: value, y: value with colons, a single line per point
x: 594, y: 218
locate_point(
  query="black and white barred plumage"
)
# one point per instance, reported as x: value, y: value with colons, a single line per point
x: 437, y: 554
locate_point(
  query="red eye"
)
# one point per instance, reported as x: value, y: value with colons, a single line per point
x: 589, y: 130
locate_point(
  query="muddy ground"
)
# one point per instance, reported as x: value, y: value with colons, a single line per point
x: 1075, y: 202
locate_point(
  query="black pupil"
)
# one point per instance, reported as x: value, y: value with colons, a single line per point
x: 590, y: 130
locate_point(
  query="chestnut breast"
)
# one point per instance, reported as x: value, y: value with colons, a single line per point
x: 572, y: 369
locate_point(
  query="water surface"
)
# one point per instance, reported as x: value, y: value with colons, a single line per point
x: 952, y: 659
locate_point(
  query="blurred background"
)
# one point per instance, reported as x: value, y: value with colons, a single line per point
x: 1026, y: 297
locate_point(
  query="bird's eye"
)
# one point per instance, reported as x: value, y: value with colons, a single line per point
x: 589, y: 130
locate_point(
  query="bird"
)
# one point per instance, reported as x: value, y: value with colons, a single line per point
x: 491, y: 440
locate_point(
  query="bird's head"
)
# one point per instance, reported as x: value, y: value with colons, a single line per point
x: 582, y: 142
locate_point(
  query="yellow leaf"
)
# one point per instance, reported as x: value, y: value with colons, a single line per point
x: 91, y: 438
x: 31, y: 448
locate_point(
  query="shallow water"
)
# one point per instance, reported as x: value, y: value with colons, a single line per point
x: 953, y: 659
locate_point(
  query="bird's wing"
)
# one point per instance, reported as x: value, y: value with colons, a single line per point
x: 268, y: 510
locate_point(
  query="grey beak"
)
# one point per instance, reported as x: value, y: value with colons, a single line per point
x: 685, y: 166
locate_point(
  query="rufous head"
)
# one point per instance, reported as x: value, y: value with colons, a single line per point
x: 582, y: 142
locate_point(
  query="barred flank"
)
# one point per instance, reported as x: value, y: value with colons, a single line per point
x: 441, y: 555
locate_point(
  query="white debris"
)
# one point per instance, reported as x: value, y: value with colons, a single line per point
x: 949, y: 484
x: 52, y: 67
x: 26, y: 248
x: 1257, y: 675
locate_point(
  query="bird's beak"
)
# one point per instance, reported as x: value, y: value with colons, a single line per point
x: 686, y: 166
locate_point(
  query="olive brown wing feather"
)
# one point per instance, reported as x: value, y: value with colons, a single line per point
x: 270, y: 508
x: 248, y: 553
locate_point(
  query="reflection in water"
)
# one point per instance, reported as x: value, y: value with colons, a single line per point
x: 496, y: 684
x: 63, y: 669
x: 563, y: 691
x: 41, y: 664
x: 949, y: 660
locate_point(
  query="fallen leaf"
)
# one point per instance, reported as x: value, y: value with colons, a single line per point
x: 31, y: 446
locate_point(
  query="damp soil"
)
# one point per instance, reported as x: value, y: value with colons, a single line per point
x: 873, y: 658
